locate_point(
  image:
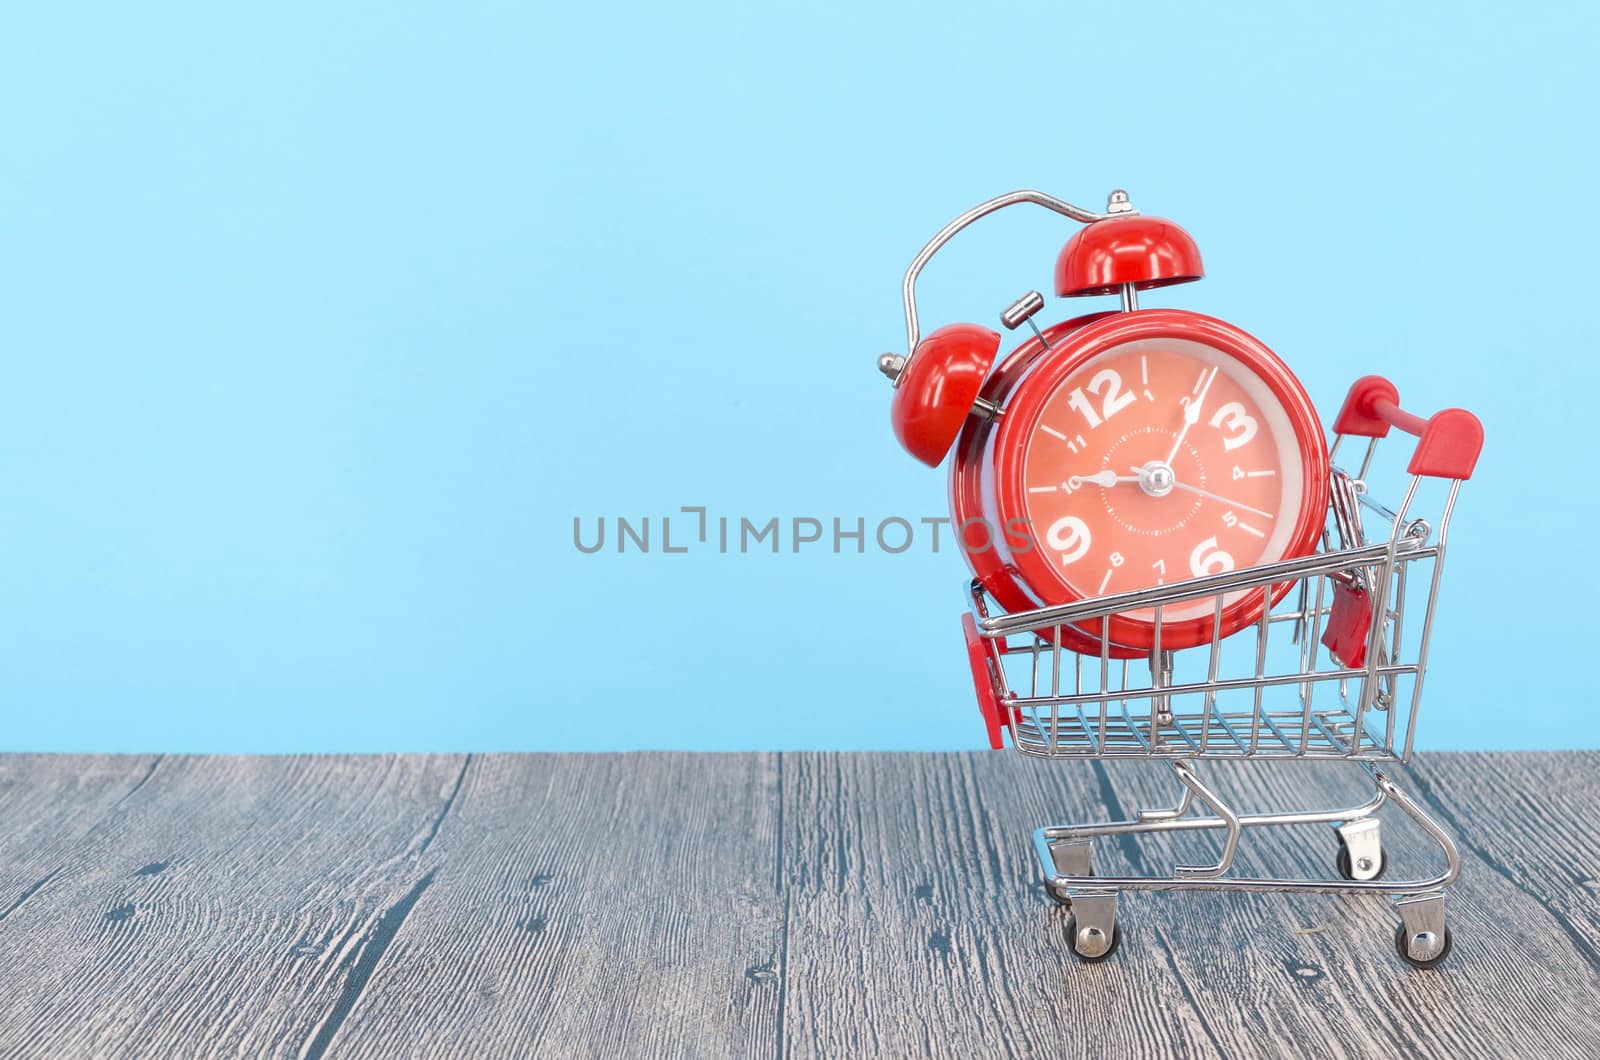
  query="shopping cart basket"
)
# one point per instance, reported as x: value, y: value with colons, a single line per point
x: 1333, y: 670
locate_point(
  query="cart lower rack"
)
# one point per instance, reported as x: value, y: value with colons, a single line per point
x: 1333, y: 670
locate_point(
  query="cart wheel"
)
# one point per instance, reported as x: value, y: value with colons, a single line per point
x: 1400, y: 940
x: 1072, y: 941
x: 1342, y: 861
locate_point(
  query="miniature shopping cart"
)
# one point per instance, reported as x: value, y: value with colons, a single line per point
x: 1333, y: 670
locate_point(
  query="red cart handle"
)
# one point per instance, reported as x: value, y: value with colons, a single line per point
x: 1448, y: 442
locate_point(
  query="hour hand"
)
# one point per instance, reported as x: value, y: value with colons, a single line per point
x: 1100, y: 478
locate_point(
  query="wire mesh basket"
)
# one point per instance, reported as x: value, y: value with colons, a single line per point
x: 1265, y: 692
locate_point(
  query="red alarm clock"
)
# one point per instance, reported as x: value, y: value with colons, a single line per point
x: 1115, y: 451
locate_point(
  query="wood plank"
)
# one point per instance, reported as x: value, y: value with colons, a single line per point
x: 917, y: 926
x: 1533, y: 819
x: 1321, y: 969
x: 590, y: 905
x: 48, y: 804
x: 227, y: 906
x: 747, y: 905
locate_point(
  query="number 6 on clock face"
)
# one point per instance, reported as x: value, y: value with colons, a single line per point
x: 1151, y: 447
x: 1208, y: 558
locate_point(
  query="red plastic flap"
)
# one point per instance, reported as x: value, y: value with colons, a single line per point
x: 982, y: 683
x: 1349, y: 622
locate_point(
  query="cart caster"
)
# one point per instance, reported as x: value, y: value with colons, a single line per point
x: 1091, y: 939
x: 1404, y: 942
x: 1360, y: 856
x: 1092, y: 929
x: 1346, y: 870
x: 1071, y: 857
x: 1422, y: 939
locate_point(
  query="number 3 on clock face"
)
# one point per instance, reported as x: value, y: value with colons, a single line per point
x: 1159, y: 446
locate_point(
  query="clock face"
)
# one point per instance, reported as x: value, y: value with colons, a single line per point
x: 1157, y: 459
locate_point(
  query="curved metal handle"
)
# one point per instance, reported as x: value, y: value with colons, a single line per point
x: 945, y: 234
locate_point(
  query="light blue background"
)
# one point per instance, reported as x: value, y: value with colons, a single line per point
x: 319, y: 323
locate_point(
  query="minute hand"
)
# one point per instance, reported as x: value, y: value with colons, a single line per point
x: 1224, y: 500
x: 1191, y: 415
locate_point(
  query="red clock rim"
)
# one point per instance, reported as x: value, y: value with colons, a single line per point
x: 1025, y: 409
x: 997, y: 577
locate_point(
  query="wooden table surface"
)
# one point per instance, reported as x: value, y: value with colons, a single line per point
x: 761, y: 905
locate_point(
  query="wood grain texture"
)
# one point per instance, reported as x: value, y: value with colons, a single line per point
x: 46, y: 808
x: 222, y: 908
x: 918, y: 925
x: 608, y: 905
x: 1320, y: 971
x: 757, y: 905
x: 1202, y: 973
x: 1540, y: 833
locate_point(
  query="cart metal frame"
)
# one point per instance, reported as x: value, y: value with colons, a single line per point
x: 1244, y: 697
